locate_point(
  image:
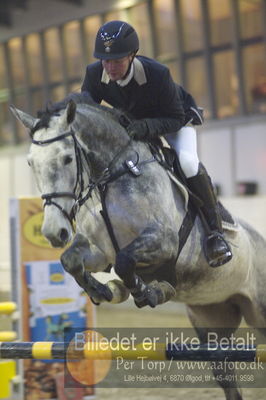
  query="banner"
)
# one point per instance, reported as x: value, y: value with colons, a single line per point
x: 49, y: 299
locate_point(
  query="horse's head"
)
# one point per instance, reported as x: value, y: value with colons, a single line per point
x: 74, y: 143
x: 53, y: 159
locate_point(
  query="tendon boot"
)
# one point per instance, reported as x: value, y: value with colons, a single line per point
x: 144, y: 295
x: 216, y: 249
x: 152, y: 294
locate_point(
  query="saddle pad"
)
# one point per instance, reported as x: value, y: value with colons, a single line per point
x: 228, y: 222
x: 180, y: 187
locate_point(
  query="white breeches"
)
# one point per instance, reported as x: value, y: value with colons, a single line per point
x: 185, y: 144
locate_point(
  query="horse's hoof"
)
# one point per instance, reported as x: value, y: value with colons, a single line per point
x: 96, y: 303
x: 119, y: 291
x: 165, y: 290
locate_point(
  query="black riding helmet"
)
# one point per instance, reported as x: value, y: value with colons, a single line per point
x: 115, y: 39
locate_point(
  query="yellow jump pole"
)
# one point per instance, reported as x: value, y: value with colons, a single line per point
x: 62, y: 350
x: 7, y: 336
x: 7, y: 307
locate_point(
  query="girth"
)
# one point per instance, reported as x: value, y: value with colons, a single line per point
x: 106, y: 218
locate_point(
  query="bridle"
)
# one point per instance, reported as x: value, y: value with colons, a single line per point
x: 79, y: 183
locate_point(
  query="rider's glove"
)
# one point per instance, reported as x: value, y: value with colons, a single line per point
x: 138, y: 130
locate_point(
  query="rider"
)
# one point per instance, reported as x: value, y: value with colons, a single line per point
x: 144, y: 88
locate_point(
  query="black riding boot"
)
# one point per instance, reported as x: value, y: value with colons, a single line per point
x: 217, y: 250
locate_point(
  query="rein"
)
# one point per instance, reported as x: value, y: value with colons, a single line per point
x: 101, y: 183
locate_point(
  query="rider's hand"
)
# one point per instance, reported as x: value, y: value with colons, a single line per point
x: 138, y: 130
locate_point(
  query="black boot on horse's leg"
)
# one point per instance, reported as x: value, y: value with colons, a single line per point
x: 152, y: 294
x: 144, y: 294
x: 217, y: 250
x: 125, y: 268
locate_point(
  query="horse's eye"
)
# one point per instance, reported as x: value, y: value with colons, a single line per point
x: 67, y: 160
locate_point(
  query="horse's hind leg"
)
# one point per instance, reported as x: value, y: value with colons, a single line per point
x: 222, y: 320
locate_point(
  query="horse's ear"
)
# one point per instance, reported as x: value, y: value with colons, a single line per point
x: 69, y: 114
x: 27, y: 120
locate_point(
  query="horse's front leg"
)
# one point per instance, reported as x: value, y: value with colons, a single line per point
x: 82, y: 258
x: 156, y: 245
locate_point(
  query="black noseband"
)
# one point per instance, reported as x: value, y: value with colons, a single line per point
x: 49, y: 201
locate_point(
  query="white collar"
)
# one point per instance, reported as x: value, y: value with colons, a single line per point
x: 136, y: 71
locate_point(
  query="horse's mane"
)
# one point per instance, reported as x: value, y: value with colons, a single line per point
x: 79, y: 98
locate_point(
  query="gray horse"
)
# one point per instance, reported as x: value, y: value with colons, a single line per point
x: 129, y: 210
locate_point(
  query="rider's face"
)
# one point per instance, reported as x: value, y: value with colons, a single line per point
x: 117, y: 69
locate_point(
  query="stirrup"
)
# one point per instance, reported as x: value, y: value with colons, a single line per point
x: 220, y: 259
